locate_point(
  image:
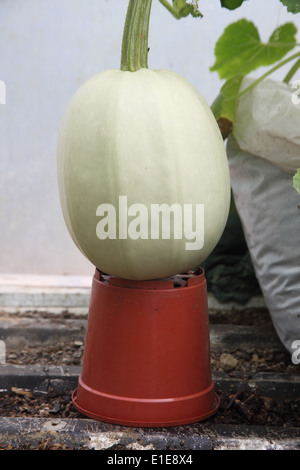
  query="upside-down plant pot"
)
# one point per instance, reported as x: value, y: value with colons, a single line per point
x: 147, y: 352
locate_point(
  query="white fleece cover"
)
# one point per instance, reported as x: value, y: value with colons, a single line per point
x: 269, y: 208
x: 267, y: 123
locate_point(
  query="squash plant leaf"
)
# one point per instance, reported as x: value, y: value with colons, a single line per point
x: 240, y: 50
x: 224, y: 105
x: 293, y: 6
x: 296, y: 181
x: 231, y: 4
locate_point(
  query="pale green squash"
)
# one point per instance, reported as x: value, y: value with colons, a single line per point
x: 148, y: 135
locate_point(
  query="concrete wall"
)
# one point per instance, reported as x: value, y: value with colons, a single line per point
x: 48, y: 49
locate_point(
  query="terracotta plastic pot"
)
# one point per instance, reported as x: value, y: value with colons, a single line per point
x: 147, y: 353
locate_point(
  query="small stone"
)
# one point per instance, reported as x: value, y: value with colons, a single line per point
x: 228, y: 362
x: 255, y: 357
x: 55, y: 407
x: 12, y: 356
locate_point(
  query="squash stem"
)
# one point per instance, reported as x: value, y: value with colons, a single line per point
x: 135, y: 36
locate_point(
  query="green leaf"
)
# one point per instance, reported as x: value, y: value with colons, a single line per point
x: 231, y: 4
x: 293, y: 6
x: 296, y: 181
x: 240, y: 50
x: 224, y: 105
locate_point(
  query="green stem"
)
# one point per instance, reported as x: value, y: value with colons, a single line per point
x: 182, y: 9
x: 292, y: 72
x: 135, y: 36
x: 170, y: 8
x: 265, y: 75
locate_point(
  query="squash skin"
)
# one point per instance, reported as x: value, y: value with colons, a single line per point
x: 148, y: 135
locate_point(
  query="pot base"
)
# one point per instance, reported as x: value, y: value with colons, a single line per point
x: 146, y: 360
x: 121, y: 403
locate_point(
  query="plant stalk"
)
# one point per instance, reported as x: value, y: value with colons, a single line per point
x: 265, y: 75
x: 135, y: 36
x: 292, y: 72
x: 170, y: 8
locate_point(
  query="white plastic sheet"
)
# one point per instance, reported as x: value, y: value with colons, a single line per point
x: 269, y: 210
x: 267, y: 123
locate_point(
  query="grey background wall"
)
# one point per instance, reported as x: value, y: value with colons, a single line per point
x: 48, y: 49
